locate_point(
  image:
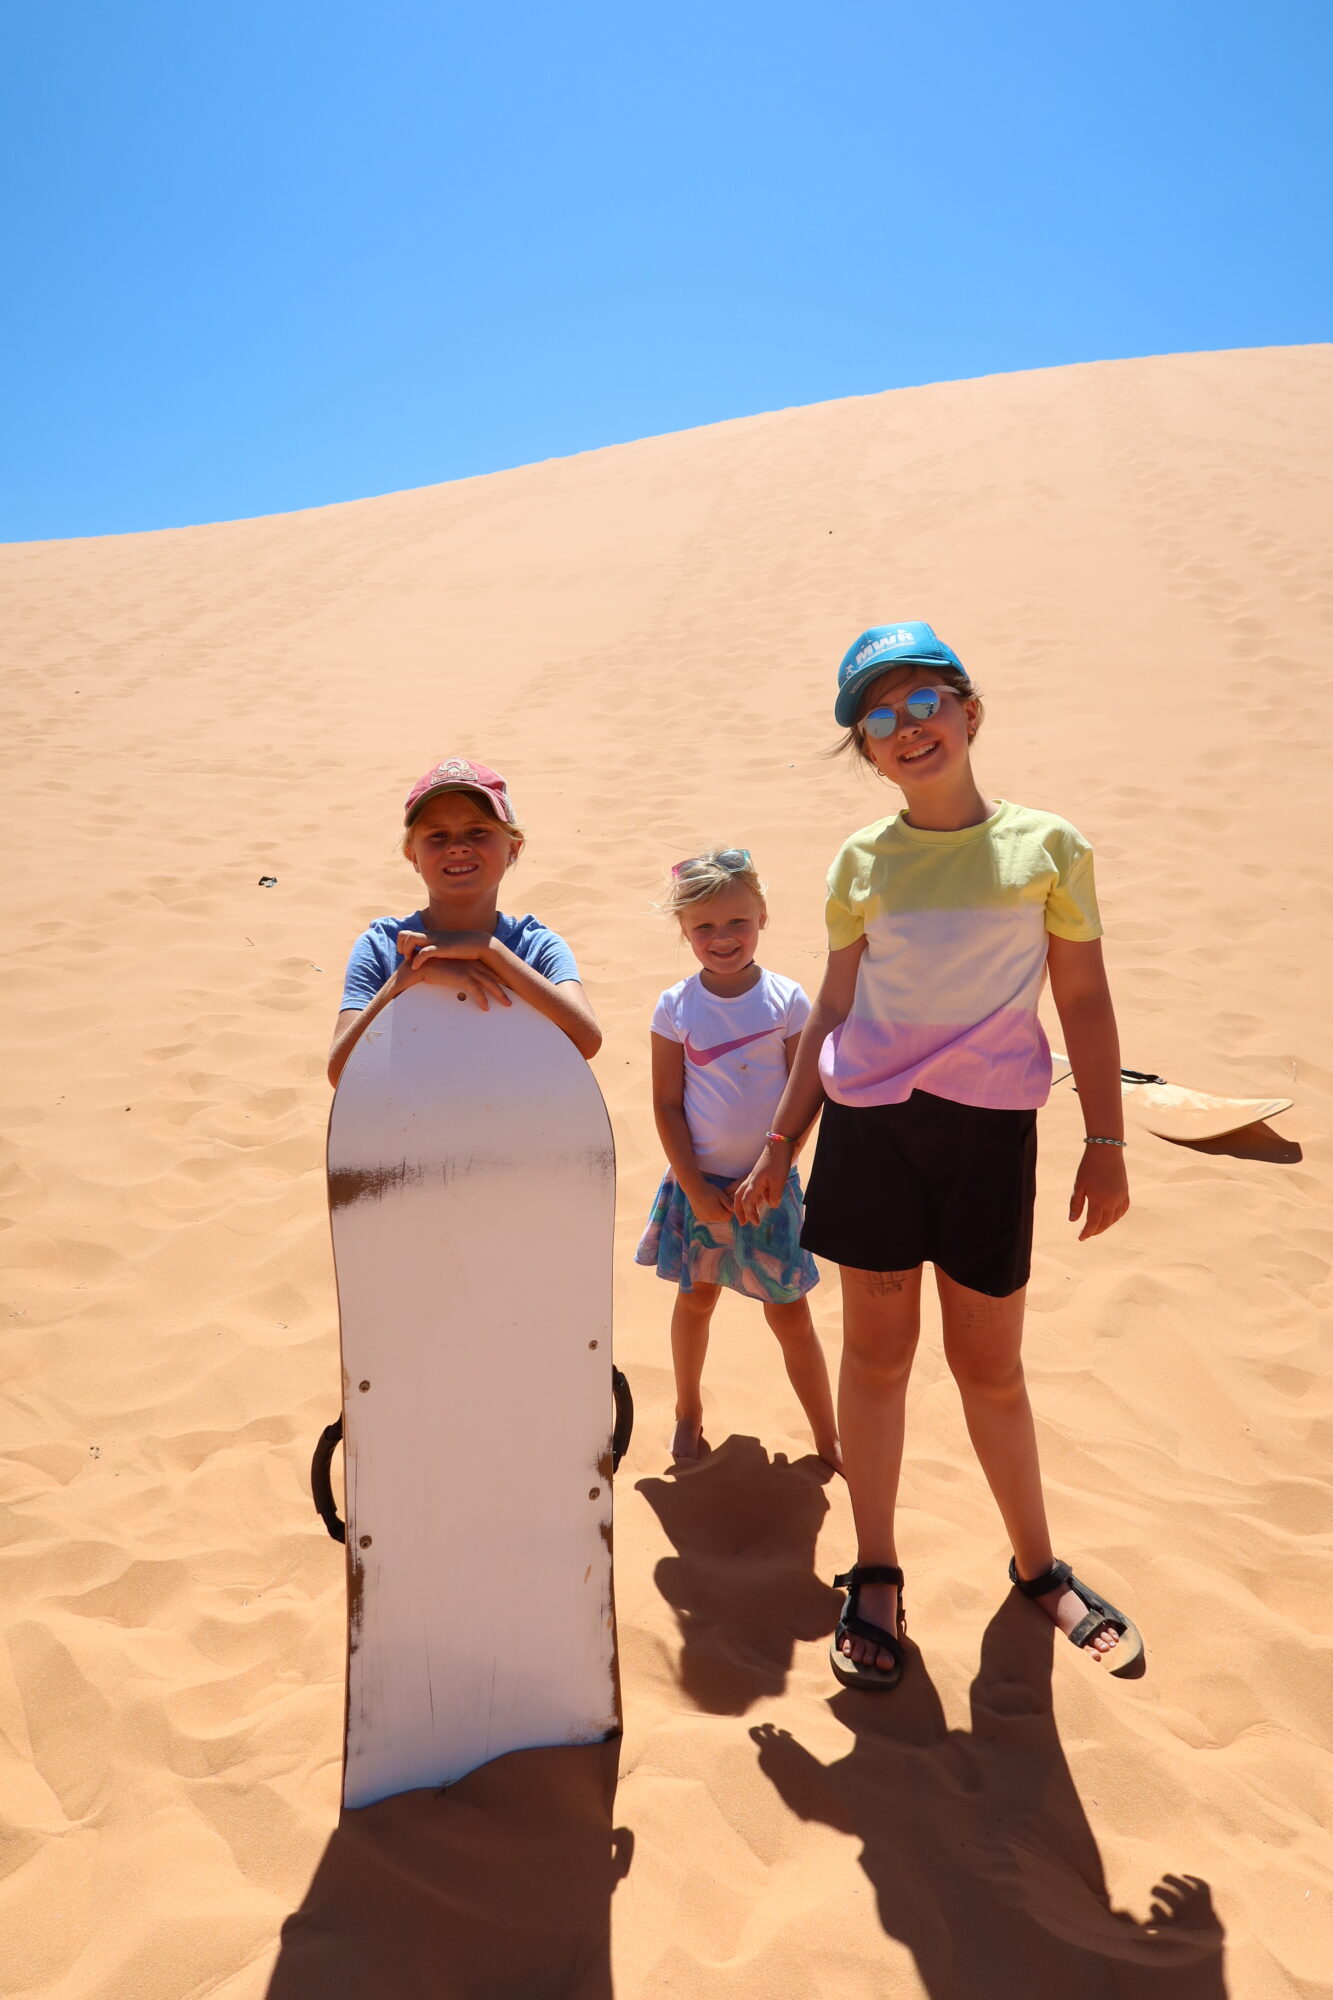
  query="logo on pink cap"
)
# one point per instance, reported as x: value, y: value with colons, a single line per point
x: 459, y: 774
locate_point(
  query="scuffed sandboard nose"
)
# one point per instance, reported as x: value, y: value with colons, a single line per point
x: 1171, y: 1112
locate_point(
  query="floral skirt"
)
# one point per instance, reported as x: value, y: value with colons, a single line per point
x: 761, y: 1260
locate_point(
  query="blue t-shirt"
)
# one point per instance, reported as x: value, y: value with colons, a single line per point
x: 375, y: 953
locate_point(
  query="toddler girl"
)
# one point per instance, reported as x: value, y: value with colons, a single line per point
x: 722, y: 1044
x: 944, y: 920
x: 460, y: 835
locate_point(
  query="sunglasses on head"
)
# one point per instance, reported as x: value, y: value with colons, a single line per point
x: 734, y: 859
x: 919, y: 706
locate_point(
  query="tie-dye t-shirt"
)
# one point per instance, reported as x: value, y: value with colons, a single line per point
x: 955, y: 958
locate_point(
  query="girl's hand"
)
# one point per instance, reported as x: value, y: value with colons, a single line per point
x: 458, y: 962
x: 763, y: 1186
x: 1101, y: 1185
x: 709, y: 1203
x: 440, y: 944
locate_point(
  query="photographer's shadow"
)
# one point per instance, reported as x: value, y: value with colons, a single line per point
x: 742, y: 1583
x: 977, y: 1846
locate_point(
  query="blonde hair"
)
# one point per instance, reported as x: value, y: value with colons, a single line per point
x: 706, y: 875
x: 951, y: 677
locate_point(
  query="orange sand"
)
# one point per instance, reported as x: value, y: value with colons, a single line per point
x: 1132, y: 558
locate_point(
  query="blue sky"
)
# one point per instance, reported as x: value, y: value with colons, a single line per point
x: 265, y: 256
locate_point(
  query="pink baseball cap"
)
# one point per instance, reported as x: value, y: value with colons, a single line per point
x: 459, y: 774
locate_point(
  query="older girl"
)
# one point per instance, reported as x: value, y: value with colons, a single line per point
x: 944, y: 920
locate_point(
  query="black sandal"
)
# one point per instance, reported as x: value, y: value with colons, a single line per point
x: 1060, y: 1576
x: 864, y: 1673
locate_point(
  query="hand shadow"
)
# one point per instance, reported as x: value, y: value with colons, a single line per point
x: 977, y: 1846
x: 499, y: 1885
x: 743, y: 1583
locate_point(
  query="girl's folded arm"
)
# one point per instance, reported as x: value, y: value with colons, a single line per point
x: 461, y: 959
x: 352, y: 1021
x: 566, y: 1004
x: 492, y: 967
x: 479, y: 968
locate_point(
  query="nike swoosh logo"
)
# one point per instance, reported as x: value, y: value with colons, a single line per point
x: 702, y: 1056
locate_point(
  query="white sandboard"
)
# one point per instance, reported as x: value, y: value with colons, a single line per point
x: 1185, y: 1115
x: 472, y: 1198
x: 1170, y: 1111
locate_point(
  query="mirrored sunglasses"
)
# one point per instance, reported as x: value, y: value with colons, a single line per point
x: 919, y: 706
x: 734, y: 859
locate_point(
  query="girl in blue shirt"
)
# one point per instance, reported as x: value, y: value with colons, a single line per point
x: 460, y: 834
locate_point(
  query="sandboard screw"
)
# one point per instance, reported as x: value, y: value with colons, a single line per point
x: 594, y: 1492
x: 364, y: 1543
x: 592, y: 1343
x: 363, y: 1385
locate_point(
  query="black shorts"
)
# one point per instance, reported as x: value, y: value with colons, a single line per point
x: 929, y: 1181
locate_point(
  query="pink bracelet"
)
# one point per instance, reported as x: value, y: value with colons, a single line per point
x: 779, y: 1139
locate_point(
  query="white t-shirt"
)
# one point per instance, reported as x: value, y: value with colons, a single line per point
x: 735, y: 1063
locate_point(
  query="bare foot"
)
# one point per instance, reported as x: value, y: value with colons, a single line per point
x: 687, y: 1440
x: 831, y: 1453
x: 1067, y: 1609
x: 878, y: 1603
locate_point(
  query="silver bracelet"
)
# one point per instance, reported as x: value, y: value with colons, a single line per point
x: 1095, y: 1139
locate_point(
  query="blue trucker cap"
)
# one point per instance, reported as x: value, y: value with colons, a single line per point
x: 878, y: 651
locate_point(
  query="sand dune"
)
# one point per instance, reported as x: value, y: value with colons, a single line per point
x: 1133, y: 559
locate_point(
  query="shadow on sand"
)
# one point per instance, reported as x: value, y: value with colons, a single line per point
x: 497, y: 1889
x: 742, y: 1583
x: 975, y: 1841
x: 977, y: 1846
x: 1249, y: 1142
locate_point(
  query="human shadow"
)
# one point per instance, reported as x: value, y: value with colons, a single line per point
x: 498, y: 1888
x: 977, y: 1846
x: 742, y: 1583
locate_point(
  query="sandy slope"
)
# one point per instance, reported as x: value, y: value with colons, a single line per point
x: 1130, y: 556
